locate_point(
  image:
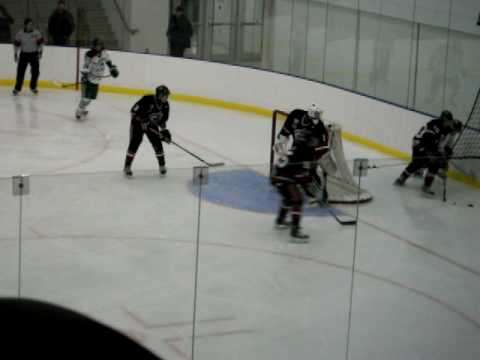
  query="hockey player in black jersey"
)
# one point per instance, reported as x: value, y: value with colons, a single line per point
x: 428, y: 152
x: 296, y: 167
x: 149, y: 116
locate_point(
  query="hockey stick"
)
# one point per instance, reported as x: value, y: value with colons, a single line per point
x: 342, y: 220
x: 66, y: 85
x: 217, y: 164
x: 63, y: 86
x: 189, y: 152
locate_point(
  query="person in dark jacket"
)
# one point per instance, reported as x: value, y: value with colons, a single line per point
x: 61, y: 25
x: 5, y: 21
x: 179, y: 32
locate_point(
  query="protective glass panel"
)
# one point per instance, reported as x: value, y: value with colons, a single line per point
x: 299, y: 37
x: 416, y: 290
x: 9, y: 239
x: 463, y: 73
x: 315, y: 40
x: 341, y: 46
x: 280, y: 35
x: 385, y: 51
x: 120, y: 250
x: 221, y: 37
x: 262, y: 293
x: 430, y: 82
x: 250, y: 32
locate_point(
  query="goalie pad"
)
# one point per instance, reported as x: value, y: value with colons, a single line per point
x: 281, y: 146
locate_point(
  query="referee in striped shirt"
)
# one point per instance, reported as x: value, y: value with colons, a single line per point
x: 28, y: 46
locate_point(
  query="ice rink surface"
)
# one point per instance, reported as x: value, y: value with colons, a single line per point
x: 123, y: 250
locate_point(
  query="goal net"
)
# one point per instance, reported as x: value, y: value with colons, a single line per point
x: 341, y: 186
x: 466, y: 149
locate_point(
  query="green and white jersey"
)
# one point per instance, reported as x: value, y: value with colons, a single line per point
x: 95, y: 65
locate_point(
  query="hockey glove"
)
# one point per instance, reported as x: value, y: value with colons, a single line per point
x: 114, y: 71
x: 84, y: 76
x: 448, y: 151
x: 166, y: 136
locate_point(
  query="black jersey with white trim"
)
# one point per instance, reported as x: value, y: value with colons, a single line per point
x: 149, y: 108
x: 429, y: 137
x: 307, y: 136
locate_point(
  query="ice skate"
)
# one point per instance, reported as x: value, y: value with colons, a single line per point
x: 163, y: 170
x: 399, y: 181
x: 81, y: 114
x: 426, y: 190
x: 282, y: 224
x: 127, y: 171
x: 298, y: 237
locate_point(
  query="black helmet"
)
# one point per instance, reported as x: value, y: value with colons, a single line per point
x: 162, y: 90
x: 97, y: 42
x: 446, y: 115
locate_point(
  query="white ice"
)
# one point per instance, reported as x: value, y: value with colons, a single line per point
x: 122, y: 250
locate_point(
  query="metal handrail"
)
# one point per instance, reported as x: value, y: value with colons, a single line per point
x: 124, y: 21
x: 36, y: 9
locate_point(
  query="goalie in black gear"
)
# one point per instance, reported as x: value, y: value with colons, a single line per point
x: 295, y: 171
x: 149, y: 116
x: 95, y: 62
x: 431, y: 150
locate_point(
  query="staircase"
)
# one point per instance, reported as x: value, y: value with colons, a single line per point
x: 93, y: 20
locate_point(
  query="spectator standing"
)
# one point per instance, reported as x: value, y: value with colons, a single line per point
x: 179, y: 32
x: 28, y: 46
x: 61, y: 25
x: 5, y: 21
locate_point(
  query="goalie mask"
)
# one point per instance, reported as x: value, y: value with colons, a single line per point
x: 315, y: 114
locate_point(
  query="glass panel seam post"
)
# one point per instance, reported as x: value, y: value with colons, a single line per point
x: 20, y: 188
x: 446, y: 55
x: 412, y: 41
x: 307, y: 25
x: 235, y: 33
x: 262, y: 32
x: 290, y: 45
x: 415, y: 78
x: 360, y: 169
x: 200, y: 178
x: 357, y: 49
x: 325, y: 42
